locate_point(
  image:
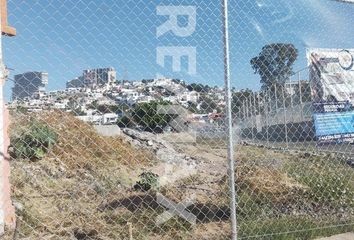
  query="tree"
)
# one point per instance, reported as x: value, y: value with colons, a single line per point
x: 74, y: 107
x: 207, y: 104
x: 125, y: 122
x: 274, y: 63
x: 146, y: 115
x: 198, y: 87
x: 108, y: 108
x: 239, y: 98
x: 192, y: 107
x: 304, y: 92
x: 93, y: 105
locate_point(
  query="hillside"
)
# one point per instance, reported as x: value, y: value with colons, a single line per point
x: 83, y: 187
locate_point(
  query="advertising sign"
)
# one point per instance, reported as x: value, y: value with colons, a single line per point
x: 332, y: 84
x: 334, y: 122
x: 332, y: 74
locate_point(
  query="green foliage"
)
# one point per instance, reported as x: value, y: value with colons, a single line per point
x: 74, y: 106
x: 93, y: 105
x: 240, y: 97
x: 291, y: 228
x: 208, y: 104
x: 304, y: 90
x: 78, y: 112
x: 179, y: 81
x: 21, y: 109
x: 147, y: 116
x: 125, y: 122
x: 33, y: 143
x: 105, y: 108
x: 148, y: 180
x: 147, y: 81
x: 192, y: 107
x: 274, y: 63
x: 108, y: 108
x: 198, y: 87
x: 328, y: 180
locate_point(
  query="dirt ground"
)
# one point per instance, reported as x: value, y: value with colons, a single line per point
x: 83, y: 189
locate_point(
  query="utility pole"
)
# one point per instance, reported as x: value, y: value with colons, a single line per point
x: 7, y: 211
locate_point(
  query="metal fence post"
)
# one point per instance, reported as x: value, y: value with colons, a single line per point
x: 285, y: 120
x: 230, y: 151
x: 259, y: 104
x: 244, y: 111
x: 267, y: 114
x: 276, y: 97
x: 255, y: 116
x: 251, y: 116
x: 247, y: 109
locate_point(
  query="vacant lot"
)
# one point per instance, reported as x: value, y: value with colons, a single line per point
x: 83, y: 188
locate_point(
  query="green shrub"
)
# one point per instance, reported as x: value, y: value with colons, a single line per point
x: 125, y: 122
x: 34, y: 142
x: 148, y: 180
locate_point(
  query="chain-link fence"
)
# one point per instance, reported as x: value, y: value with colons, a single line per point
x: 119, y: 126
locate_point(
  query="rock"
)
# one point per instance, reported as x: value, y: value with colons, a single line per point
x: 85, y: 234
x: 135, y: 143
x: 350, y: 163
x: 163, y: 150
x: 18, y: 206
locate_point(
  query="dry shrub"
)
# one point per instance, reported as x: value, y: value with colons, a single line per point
x: 61, y: 192
x: 80, y: 146
x: 272, y: 184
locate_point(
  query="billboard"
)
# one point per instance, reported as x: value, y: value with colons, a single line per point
x: 332, y: 87
x: 332, y: 74
x: 334, y: 122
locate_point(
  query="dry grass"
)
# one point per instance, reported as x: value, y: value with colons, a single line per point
x: 80, y: 146
x: 270, y: 184
x: 61, y: 193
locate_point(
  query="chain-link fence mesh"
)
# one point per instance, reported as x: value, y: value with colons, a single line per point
x: 118, y: 126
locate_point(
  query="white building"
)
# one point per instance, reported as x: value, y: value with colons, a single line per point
x: 99, y: 76
x: 104, y: 119
x: 192, y: 96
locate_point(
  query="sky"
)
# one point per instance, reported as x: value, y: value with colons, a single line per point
x: 64, y: 37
